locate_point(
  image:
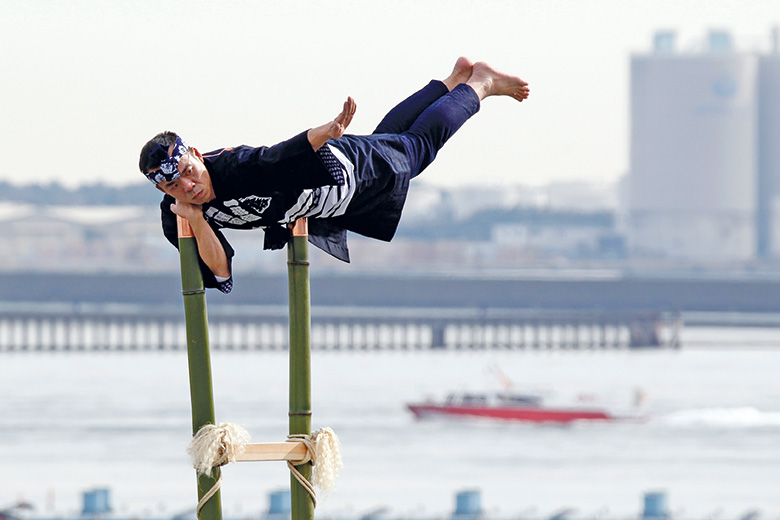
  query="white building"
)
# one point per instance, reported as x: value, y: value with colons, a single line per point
x: 83, y: 238
x: 699, y: 152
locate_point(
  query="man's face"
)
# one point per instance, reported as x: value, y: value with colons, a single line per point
x: 194, y: 185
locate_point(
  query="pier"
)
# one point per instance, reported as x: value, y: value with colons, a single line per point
x: 65, y: 327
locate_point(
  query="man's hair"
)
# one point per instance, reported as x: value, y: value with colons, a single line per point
x: 150, y: 153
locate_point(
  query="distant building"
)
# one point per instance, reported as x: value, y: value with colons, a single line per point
x: 704, y: 179
x: 459, y: 228
x: 83, y: 238
x: 769, y: 151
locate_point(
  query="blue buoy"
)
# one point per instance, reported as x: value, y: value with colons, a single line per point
x: 97, y: 502
x: 279, y: 503
x: 468, y: 503
x: 655, y: 506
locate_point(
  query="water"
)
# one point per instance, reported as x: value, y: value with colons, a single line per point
x: 73, y: 422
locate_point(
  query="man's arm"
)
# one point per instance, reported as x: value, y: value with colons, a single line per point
x: 334, y: 129
x: 209, y: 247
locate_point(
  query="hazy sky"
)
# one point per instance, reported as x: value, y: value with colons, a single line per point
x: 85, y: 83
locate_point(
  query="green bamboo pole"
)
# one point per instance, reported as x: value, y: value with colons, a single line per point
x: 300, y: 359
x: 198, y: 357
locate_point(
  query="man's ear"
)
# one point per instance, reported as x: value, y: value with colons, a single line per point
x: 196, y: 152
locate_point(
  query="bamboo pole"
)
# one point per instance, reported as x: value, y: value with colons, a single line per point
x: 198, y: 356
x: 300, y: 359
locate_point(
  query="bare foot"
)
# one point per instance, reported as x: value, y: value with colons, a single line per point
x: 487, y: 81
x: 460, y: 73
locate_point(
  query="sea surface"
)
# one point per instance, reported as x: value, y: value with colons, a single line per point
x: 710, y: 437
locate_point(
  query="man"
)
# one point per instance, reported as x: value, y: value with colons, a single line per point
x: 339, y: 181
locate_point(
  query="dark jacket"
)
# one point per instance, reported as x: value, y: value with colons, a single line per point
x: 254, y: 187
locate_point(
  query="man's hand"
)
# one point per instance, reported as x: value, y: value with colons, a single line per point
x: 336, y: 128
x: 209, y: 247
x: 342, y: 121
x: 189, y: 212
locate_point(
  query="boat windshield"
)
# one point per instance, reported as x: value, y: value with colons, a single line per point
x: 467, y: 399
x: 520, y: 399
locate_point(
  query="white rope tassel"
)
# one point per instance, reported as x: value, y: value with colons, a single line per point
x: 327, y: 459
x: 322, y: 450
x: 215, y: 446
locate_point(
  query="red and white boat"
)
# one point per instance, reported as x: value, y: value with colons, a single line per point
x: 507, y: 406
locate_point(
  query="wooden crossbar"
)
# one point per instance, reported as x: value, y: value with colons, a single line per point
x: 269, y: 451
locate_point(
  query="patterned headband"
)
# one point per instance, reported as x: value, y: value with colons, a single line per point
x: 169, y: 165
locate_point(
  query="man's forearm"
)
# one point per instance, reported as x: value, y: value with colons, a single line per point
x: 210, y: 248
x: 318, y: 136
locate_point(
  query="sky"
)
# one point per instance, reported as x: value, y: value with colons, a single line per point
x: 85, y: 83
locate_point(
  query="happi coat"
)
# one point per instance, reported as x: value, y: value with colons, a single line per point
x: 256, y: 187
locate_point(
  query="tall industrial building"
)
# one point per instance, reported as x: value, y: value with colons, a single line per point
x: 768, y: 225
x: 704, y: 180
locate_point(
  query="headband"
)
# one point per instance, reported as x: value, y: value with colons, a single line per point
x: 169, y: 165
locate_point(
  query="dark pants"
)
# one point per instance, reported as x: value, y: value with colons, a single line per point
x: 427, y: 119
